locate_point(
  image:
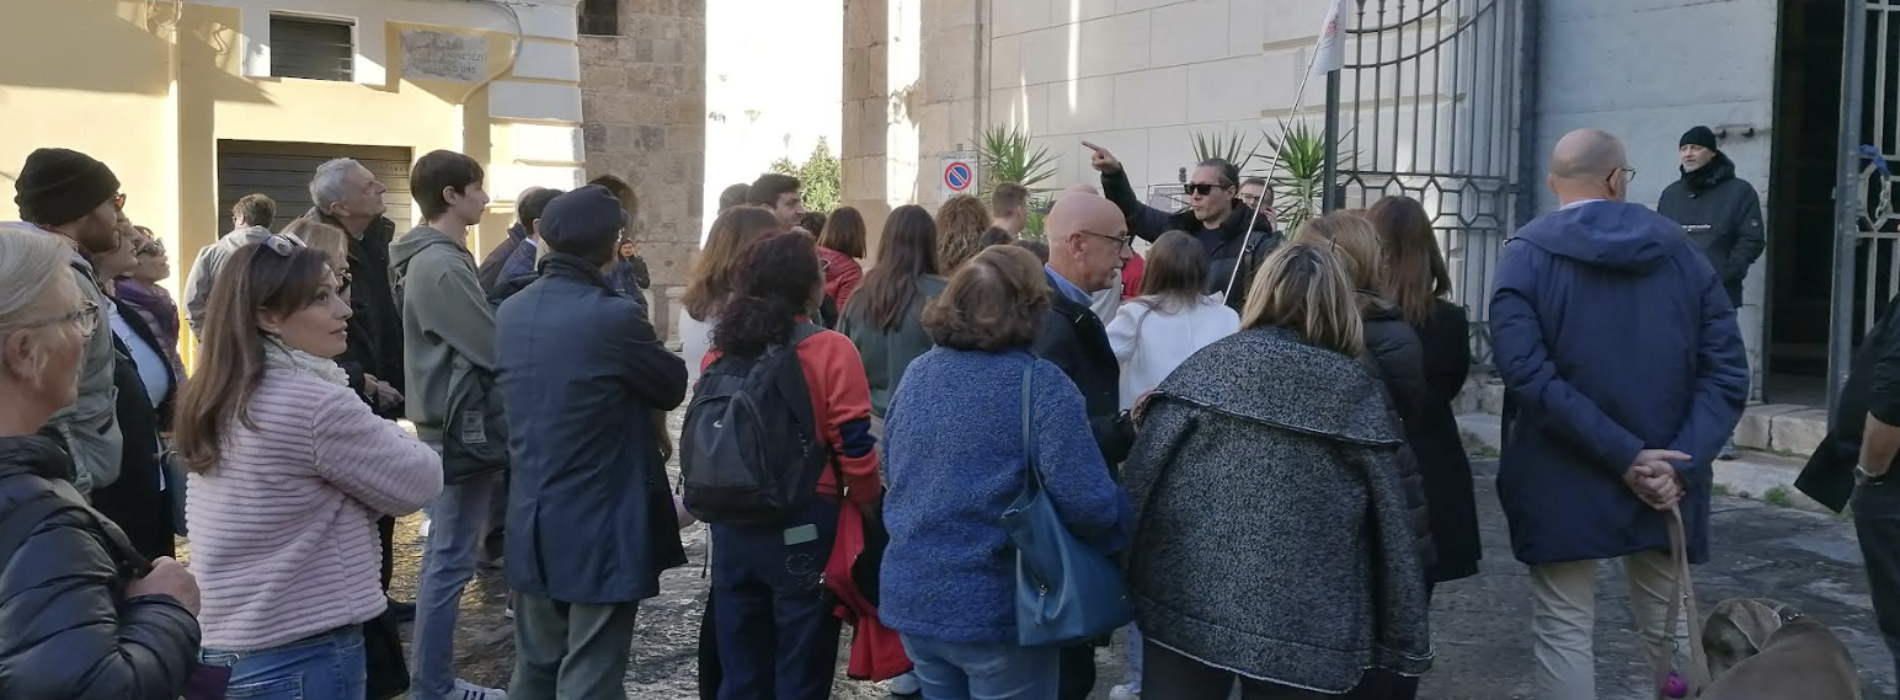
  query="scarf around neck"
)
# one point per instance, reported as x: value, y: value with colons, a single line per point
x: 277, y: 355
x: 1717, y: 171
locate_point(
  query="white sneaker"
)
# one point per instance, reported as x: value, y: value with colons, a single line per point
x: 907, y: 685
x: 1124, y: 692
x: 465, y: 690
x: 509, y: 612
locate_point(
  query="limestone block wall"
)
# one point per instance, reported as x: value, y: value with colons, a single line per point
x: 643, y: 103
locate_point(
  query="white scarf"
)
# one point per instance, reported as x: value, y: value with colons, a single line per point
x: 277, y: 355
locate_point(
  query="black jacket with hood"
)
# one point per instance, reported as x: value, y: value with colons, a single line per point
x: 1226, y: 248
x: 67, y: 629
x: 1395, y: 355
x: 1722, y: 214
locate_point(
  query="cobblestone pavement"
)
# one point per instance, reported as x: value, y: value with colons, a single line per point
x: 1480, y: 625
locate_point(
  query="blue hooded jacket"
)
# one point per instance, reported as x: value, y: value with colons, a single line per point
x: 1613, y: 335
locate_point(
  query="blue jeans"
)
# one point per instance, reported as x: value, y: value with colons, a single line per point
x: 327, y: 665
x: 457, y: 522
x: 966, y: 671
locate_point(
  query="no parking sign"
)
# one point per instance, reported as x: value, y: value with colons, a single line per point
x: 959, y: 173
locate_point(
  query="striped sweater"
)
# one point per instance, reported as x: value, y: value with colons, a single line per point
x: 283, y: 527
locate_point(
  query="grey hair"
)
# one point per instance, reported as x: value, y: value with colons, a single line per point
x: 332, y: 183
x: 32, y: 263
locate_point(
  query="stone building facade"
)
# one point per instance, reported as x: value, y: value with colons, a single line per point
x: 643, y: 102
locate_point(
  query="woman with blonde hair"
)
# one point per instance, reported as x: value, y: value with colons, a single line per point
x: 960, y: 226
x: 290, y: 470
x: 1271, y: 544
x: 86, y: 616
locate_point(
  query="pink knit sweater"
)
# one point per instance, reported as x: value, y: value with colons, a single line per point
x: 283, y: 528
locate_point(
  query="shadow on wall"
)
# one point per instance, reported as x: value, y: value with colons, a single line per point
x: 137, y: 61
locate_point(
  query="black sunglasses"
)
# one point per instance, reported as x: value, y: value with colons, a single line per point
x: 1203, y: 188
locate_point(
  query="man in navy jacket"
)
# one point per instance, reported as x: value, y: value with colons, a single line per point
x: 1626, y: 374
x: 590, y: 520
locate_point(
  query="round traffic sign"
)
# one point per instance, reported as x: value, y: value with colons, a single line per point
x: 958, y: 176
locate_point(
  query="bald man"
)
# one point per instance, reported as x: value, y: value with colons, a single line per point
x: 1626, y: 375
x: 1088, y: 243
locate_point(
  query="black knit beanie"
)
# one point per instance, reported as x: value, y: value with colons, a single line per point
x: 59, y: 186
x: 1700, y: 136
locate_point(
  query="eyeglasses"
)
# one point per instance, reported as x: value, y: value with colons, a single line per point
x: 87, y: 317
x: 343, y: 280
x: 1249, y: 199
x: 1123, y: 241
x: 1627, y: 173
x: 1203, y: 188
x: 152, y: 248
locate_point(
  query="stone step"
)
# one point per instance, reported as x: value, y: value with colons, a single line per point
x: 1753, y: 474
x: 1787, y: 430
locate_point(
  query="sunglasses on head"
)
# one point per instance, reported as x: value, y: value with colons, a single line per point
x: 1203, y: 188
x: 151, y: 248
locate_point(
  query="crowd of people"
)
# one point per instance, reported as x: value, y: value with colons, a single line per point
x: 1256, y: 429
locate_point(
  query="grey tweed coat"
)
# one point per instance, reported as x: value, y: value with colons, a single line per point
x: 1271, y: 534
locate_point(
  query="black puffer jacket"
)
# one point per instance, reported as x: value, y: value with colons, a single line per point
x: 1722, y: 214
x: 1226, y: 247
x: 67, y: 631
x: 1397, y: 358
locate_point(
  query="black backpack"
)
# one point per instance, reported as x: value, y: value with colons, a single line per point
x: 749, y: 450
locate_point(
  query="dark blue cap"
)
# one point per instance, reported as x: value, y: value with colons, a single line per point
x: 583, y: 222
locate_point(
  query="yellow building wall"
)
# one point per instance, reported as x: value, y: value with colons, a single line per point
x: 152, y: 89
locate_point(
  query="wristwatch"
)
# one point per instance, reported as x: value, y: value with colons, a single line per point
x: 1864, y: 478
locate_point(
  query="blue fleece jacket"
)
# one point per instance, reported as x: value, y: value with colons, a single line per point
x: 954, y: 461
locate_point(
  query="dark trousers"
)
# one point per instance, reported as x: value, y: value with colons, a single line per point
x: 1165, y: 673
x: 1380, y: 684
x: 777, y: 637
x: 710, y: 674
x: 1877, y: 520
x: 1077, y: 672
x: 386, y: 527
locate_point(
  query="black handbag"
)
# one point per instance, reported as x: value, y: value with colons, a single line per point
x: 387, y: 666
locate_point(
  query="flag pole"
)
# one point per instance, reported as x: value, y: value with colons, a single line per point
x: 1329, y: 56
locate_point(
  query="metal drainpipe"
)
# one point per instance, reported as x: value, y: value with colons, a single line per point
x: 1846, y: 201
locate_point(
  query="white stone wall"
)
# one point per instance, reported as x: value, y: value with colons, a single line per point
x: 1648, y: 70
x: 1140, y: 77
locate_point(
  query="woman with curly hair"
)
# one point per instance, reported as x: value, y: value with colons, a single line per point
x: 775, y: 630
x: 960, y: 226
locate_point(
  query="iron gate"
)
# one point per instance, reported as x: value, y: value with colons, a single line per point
x: 1430, y: 104
x: 1877, y: 226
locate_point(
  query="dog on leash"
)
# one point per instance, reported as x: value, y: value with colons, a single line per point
x: 1760, y: 649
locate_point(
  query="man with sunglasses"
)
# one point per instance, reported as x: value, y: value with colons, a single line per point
x: 1236, y: 240
x: 1625, y: 374
x: 74, y: 196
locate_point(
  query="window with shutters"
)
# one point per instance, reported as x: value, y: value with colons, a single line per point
x: 312, y: 48
x: 600, y: 17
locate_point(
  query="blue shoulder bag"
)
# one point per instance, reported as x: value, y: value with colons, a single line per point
x: 1066, y: 591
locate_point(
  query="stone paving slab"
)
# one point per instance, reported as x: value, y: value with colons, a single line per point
x: 1481, y: 625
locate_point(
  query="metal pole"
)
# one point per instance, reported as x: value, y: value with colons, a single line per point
x: 1329, y: 190
x: 1846, y: 201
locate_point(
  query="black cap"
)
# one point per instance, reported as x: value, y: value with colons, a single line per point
x: 584, y: 222
x: 1700, y: 136
x: 59, y: 186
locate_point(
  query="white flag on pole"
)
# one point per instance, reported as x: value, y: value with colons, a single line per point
x: 1330, y: 52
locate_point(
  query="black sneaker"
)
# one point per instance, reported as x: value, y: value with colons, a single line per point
x: 404, y: 612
